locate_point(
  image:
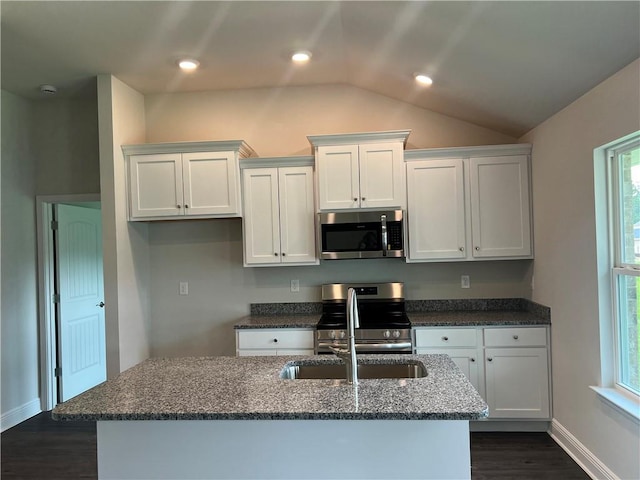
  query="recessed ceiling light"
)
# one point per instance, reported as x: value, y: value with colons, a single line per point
x: 188, y: 64
x: 302, y: 56
x: 423, y: 79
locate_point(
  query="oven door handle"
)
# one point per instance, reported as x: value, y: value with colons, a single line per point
x: 370, y: 346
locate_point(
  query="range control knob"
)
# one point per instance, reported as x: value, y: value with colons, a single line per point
x: 343, y: 334
x: 386, y: 334
x: 396, y: 334
x: 332, y: 334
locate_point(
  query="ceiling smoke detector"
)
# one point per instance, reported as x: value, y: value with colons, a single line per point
x: 48, y: 89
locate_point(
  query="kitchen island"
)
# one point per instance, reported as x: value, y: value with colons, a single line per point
x: 235, y: 417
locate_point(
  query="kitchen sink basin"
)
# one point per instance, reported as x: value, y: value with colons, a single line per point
x: 365, y: 371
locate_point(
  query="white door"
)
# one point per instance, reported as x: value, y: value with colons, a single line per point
x: 381, y: 175
x: 156, y: 185
x: 297, y: 215
x: 210, y: 180
x: 500, y: 212
x: 80, y: 319
x: 436, y: 209
x: 261, y: 227
x: 517, y: 382
x: 338, y: 177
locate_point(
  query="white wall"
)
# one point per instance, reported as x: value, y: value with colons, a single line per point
x: 276, y: 121
x: 19, y: 322
x: 208, y: 254
x: 565, y: 268
x: 121, y: 121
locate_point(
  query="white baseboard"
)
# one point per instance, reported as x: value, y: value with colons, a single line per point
x: 580, y: 454
x: 19, y: 414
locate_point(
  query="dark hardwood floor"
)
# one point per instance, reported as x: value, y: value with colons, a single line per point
x: 41, y: 448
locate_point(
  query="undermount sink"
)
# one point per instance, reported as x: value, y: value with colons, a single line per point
x: 300, y: 371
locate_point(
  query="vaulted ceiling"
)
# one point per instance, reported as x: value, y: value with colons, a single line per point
x: 503, y: 65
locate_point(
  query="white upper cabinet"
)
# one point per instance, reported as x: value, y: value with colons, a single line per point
x: 189, y: 179
x: 436, y: 198
x: 468, y: 203
x: 360, y: 170
x: 500, y: 207
x: 279, y: 213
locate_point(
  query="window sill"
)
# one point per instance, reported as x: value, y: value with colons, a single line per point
x: 623, y: 402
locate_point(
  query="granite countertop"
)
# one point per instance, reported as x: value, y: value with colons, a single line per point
x: 278, y: 321
x: 475, y: 319
x: 250, y: 388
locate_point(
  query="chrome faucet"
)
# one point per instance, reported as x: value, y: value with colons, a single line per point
x: 348, y: 355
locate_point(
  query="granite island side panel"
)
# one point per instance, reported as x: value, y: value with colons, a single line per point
x: 250, y: 388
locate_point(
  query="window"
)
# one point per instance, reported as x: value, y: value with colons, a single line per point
x: 624, y: 209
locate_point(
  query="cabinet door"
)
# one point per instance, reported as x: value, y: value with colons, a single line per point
x: 517, y: 382
x: 382, y: 182
x: 436, y: 209
x: 338, y: 177
x: 210, y: 183
x: 261, y: 229
x: 466, y: 359
x: 500, y: 212
x: 297, y: 215
x: 155, y: 185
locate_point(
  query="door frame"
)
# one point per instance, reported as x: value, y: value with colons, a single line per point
x: 46, y: 282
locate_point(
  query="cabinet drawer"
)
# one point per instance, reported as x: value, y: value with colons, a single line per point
x: 276, y: 338
x: 515, y: 337
x: 446, y: 337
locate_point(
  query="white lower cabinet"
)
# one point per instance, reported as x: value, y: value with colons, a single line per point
x: 274, y: 341
x: 509, y: 366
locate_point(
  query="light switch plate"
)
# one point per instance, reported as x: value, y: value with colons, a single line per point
x: 184, y: 288
x: 295, y: 286
x: 465, y: 282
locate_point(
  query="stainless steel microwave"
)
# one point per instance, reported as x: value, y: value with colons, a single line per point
x: 367, y: 234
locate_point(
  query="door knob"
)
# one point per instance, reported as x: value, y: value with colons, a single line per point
x: 101, y: 304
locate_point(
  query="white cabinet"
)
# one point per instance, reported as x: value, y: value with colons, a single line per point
x: 179, y: 180
x: 360, y: 170
x: 509, y: 366
x: 279, y: 214
x: 500, y: 206
x: 436, y: 210
x: 274, y: 341
x: 461, y: 344
x: 468, y: 203
x: 517, y: 372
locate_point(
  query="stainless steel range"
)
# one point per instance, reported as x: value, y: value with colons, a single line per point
x: 384, y: 325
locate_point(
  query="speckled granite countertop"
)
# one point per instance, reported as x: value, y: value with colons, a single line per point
x: 475, y: 319
x: 278, y: 321
x: 250, y: 388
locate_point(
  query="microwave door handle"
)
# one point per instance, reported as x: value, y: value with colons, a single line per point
x: 385, y: 241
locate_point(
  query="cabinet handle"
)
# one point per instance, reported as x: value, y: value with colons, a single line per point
x: 275, y: 253
x: 515, y: 337
x: 446, y: 339
x: 472, y: 360
x: 477, y: 249
x: 355, y: 199
x: 489, y: 359
x: 179, y: 206
x: 462, y: 249
x: 283, y: 254
x: 275, y: 340
x: 186, y: 206
x: 363, y: 199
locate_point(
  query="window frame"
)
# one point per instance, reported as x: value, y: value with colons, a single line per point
x: 619, y: 269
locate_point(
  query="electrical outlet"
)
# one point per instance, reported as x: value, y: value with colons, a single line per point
x: 295, y: 286
x: 465, y: 282
x: 184, y: 288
